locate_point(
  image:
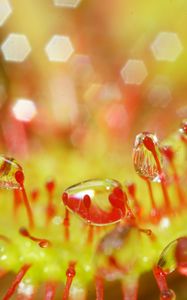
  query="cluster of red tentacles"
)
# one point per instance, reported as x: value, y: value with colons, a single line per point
x: 79, y: 200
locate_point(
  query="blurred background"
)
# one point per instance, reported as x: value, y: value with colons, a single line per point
x: 74, y: 71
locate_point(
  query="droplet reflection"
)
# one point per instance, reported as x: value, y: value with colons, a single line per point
x: 143, y: 159
x: 98, y: 202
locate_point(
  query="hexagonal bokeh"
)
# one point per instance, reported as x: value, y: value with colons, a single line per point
x: 5, y: 11
x: 59, y: 48
x: 134, y: 72
x: 24, y: 110
x: 67, y: 3
x: 166, y: 46
x: 16, y: 47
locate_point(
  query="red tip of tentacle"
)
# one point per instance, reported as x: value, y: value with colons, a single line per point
x: 19, y: 176
x: 149, y: 144
x: 34, y: 195
x: 50, y: 186
x: 70, y: 274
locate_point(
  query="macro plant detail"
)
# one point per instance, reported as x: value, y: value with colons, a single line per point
x: 109, y: 220
x: 93, y: 140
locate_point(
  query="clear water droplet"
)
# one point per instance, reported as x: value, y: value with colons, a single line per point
x: 181, y: 255
x: 143, y: 158
x: 97, y: 201
x: 8, y: 169
x: 167, y: 261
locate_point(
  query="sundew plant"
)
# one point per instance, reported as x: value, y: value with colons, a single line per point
x: 93, y: 141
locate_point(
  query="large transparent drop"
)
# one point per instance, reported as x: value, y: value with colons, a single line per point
x: 181, y: 255
x: 167, y: 261
x: 98, y: 202
x: 144, y: 161
x: 8, y: 169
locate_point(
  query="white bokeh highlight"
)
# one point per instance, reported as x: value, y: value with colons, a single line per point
x: 5, y: 11
x: 24, y: 110
x: 25, y: 289
x: 59, y: 48
x: 134, y: 72
x: 67, y: 3
x: 166, y: 46
x: 16, y: 47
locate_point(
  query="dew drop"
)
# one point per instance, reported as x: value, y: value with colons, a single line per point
x: 174, y: 256
x: 146, y: 145
x: 8, y: 169
x: 167, y: 260
x: 181, y: 255
x: 12, y: 177
x: 98, y: 202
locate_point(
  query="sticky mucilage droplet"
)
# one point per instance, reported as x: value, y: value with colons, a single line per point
x: 174, y: 256
x: 8, y: 169
x: 181, y: 255
x: 167, y: 260
x: 144, y: 161
x: 12, y: 177
x: 98, y: 201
